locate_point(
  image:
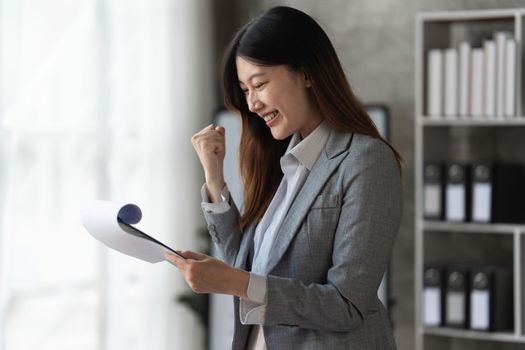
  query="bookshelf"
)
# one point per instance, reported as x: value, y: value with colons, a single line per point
x: 467, y: 139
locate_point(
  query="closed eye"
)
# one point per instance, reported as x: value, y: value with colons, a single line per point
x: 257, y: 87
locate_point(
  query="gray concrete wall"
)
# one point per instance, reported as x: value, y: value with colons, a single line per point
x: 375, y: 42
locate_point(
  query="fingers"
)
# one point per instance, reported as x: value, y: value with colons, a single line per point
x: 209, y: 136
x: 176, y: 260
x: 212, y: 130
x: 203, y: 273
x: 182, y: 263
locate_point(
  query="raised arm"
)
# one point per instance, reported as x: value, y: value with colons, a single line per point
x: 220, y: 211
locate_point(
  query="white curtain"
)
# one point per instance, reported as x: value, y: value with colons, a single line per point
x: 98, y: 99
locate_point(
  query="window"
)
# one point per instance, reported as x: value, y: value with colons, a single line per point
x: 88, y: 104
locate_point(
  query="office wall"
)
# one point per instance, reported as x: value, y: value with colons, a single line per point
x: 375, y: 42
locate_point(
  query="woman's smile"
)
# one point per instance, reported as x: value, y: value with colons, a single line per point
x: 279, y: 95
x: 271, y: 118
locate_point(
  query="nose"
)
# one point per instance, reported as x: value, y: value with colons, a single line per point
x: 254, y: 104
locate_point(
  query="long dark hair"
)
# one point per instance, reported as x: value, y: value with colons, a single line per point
x: 286, y: 36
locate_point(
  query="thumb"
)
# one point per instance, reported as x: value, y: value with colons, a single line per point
x: 188, y: 254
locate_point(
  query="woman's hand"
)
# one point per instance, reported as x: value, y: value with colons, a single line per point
x: 205, y: 274
x: 210, y: 147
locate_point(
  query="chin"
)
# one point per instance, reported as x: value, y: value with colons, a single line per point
x: 278, y: 135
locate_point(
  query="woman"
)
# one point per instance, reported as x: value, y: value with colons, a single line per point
x: 322, y: 196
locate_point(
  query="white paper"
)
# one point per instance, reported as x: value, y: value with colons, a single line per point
x: 432, y: 306
x: 479, y: 310
x: 101, y: 219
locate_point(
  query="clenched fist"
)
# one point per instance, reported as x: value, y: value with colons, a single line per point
x: 210, y: 147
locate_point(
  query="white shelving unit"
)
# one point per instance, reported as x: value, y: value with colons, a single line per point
x: 443, y: 30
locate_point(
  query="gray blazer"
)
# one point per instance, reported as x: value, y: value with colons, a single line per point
x: 330, y: 253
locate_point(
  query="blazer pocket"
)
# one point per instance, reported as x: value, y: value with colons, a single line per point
x: 287, y: 325
x: 321, y: 224
x: 326, y: 201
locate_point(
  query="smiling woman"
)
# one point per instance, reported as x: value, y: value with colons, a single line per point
x: 280, y: 96
x: 322, y: 196
x: 286, y: 39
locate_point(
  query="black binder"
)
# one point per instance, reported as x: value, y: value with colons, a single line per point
x: 457, y: 194
x: 433, y: 191
x: 491, y: 299
x: 509, y: 193
x: 457, y: 297
x: 498, y: 193
x: 433, y: 295
x: 482, y: 192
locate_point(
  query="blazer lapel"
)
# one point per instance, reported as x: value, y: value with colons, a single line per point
x: 335, y: 151
x: 244, y: 249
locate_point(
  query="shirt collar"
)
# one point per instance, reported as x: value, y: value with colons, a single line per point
x: 307, y: 150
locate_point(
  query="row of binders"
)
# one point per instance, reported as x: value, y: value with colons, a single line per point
x: 475, y: 297
x: 482, y: 192
x: 473, y: 81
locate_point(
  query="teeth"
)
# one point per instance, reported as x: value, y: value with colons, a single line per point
x: 270, y: 116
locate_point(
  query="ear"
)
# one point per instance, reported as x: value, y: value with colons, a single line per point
x: 306, y: 79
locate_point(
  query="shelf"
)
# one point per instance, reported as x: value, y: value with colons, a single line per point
x: 462, y: 121
x: 467, y: 139
x: 468, y: 227
x: 468, y: 334
x: 448, y: 16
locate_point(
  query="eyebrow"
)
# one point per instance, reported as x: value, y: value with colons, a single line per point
x: 252, y: 76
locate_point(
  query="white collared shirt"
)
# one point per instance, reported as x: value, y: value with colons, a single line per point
x: 296, y: 164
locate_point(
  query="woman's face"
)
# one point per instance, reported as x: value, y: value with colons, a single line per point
x: 280, y: 96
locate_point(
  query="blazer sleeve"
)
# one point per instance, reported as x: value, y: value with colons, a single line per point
x: 222, y: 222
x: 369, y: 221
